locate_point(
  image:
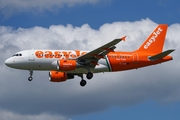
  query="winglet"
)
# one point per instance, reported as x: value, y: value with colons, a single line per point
x: 123, y: 38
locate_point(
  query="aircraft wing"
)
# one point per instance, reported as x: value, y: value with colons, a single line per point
x: 100, y: 52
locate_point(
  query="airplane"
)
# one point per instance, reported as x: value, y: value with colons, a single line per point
x: 66, y: 64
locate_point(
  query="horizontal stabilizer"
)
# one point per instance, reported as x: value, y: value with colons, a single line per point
x: 160, y: 55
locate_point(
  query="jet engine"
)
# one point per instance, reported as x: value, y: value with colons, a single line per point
x: 66, y: 65
x: 55, y: 76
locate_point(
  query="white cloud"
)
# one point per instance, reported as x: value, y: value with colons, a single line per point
x: 7, y: 115
x: 9, y: 7
x: 160, y: 83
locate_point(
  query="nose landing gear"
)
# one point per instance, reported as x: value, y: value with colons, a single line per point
x: 30, y: 78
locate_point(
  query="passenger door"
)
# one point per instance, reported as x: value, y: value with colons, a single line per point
x: 31, y: 55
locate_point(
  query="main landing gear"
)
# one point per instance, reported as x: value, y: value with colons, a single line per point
x: 88, y: 76
x: 30, y: 78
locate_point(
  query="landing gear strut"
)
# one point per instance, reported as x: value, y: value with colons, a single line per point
x: 30, y: 78
x: 83, y: 82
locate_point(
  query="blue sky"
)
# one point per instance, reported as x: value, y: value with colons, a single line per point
x: 97, y: 14
x: 148, y: 110
x: 105, y: 11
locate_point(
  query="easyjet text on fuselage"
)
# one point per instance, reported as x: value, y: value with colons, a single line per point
x: 59, y: 54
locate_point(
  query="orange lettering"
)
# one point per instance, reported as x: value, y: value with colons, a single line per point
x: 83, y: 53
x: 57, y: 54
x: 66, y: 54
x: 77, y: 53
x: 39, y: 54
x: 72, y: 55
x: 48, y: 54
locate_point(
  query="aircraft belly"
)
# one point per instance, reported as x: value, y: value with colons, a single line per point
x: 84, y: 70
x: 97, y: 69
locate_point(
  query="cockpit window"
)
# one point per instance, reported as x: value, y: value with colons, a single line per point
x: 18, y: 54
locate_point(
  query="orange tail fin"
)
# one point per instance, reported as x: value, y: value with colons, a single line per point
x: 155, y: 42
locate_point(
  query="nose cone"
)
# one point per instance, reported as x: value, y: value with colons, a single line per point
x: 18, y: 63
x: 9, y: 62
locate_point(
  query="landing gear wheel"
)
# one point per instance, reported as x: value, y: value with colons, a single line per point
x: 30, y: 78
x: 83, y: 83
x: 89, y: 75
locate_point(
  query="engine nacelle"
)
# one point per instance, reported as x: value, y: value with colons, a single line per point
x: 66, y: 65
x: 55, y: 76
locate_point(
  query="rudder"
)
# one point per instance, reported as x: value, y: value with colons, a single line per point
x: 155, y: 42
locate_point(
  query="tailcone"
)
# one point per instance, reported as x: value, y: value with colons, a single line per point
x: 167, y: 58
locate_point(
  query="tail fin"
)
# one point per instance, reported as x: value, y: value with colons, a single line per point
x: 155, y: 42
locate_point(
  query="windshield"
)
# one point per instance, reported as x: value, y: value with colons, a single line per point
x: 18, y: 54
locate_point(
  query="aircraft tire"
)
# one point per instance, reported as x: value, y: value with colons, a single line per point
x: 89, y: 75
x: 83, y: 83
x: 30, y: 78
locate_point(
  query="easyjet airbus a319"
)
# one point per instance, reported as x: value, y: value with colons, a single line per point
x: 66, y: 64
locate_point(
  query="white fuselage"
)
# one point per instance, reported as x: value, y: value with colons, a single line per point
x: 30, y: 60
